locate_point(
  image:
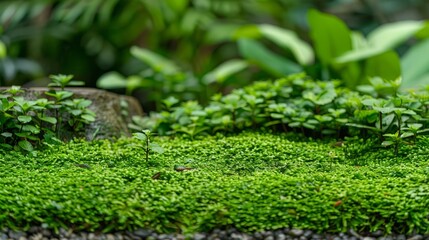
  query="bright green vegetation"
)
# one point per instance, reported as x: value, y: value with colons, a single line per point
x: 252, y: 181
x: 297, y: 103
x: 26, y: 123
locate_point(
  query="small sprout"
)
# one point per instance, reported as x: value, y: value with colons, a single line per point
x: 145, y: 136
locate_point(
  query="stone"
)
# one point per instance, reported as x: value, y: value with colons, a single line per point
x: 142, y: 233
x: 377, y: 233
x: 37, y: 236
x: 416, y: 237
x: 113, y: 111
x: 199, y: 236
x: 296, y: 232
x: 16, y: 235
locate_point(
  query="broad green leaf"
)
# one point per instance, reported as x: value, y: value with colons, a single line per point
x: 111, y: 80
x: 3, y: 50
x: 391, y: 35
x: 386, y: 65
x: 224, y: 71
x: 269, y: 61
x: 330, y: 36
x: 24, y: 119
x: 248, y: 31
x: 177, y: 5
x: 220, y: 32
x: 424, y: 32
x: 155, y: 61
x: 382, y: 39
x: 415, y: 66
x: 25, y: 145
x: 289, y: 40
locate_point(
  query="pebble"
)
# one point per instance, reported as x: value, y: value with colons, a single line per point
x: 39, y: 233
x: 296, y: 232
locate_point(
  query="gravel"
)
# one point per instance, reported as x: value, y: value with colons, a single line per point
x: 39, y: 233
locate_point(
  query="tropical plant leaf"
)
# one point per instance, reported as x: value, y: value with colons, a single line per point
x: 415, y: 66
x: 386, y: 65
x: 111, y: 80
x: 330, y: 36
x: 271, y: 62
x: 382, y: 39
x: 225, y: 70
x: 289, y: 40
x: 155, y: 61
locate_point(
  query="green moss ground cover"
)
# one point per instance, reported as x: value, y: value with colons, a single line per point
x: 252, y: 181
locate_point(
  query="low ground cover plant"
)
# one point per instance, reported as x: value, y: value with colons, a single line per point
x: 300, y: 104
x: 251, y: 181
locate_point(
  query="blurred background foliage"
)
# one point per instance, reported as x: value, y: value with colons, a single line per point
x: 95, y: 39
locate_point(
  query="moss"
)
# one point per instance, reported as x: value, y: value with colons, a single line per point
x: 252, y: 181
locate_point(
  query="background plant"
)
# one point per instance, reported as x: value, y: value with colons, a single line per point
x: 95, y: 37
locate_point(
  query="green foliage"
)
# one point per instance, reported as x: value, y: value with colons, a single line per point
x: 145, y: 137
x: 25, y: 124
x: 299, y: 104
x: 251, y: 181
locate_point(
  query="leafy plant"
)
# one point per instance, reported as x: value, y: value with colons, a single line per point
x: 148, y: 146
x: 26, y: 124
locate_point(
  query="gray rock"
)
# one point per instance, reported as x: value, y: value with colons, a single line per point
x: 416, y: 237
x: 377, y: 233
x: 199, y: 236
x: 401, y: 237
x: 280, y: 236
x: 17, y: 234
x: 307, y: 233
x: 110, y: 121
x: 37, y: 236
x: 141, y: 233
x: 269, y: 238
x: 354, y: 233
x: 316, y: 237
x: 368, y: 238
x: 296, y: 232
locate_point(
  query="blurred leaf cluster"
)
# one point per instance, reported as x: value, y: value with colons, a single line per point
x: 206, y: 40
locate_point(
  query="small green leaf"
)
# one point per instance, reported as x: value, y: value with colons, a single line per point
x: 25, y: 145
x: 31, y: 128
x: 387, y: 143
x: 156, y: 148
x: 140, y: 136
x: 88, y: 117
x: 24, y: 119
